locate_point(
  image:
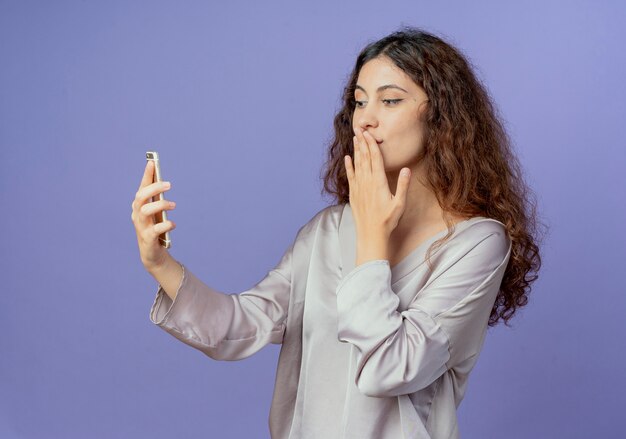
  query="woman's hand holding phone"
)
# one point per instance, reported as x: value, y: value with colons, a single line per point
x: 153, y: 254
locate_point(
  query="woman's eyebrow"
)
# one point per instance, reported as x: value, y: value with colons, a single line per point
x: 382, y: 87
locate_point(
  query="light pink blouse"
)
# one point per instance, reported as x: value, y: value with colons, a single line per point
x: 367, y: 352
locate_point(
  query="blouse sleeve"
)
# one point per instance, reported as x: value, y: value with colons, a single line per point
x: 403, y: 352
x: 227, y: 326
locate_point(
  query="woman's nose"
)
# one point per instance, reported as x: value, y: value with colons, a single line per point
x: 366, y: 119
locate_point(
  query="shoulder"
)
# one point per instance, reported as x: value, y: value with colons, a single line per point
x: 327, y: 218
x: 470, y: 264
x: 487, y: 232
x: 479, y: 241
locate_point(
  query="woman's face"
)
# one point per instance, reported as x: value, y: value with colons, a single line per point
x: 389, y: 105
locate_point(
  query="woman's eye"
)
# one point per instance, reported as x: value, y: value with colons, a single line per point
x: 359, y: 104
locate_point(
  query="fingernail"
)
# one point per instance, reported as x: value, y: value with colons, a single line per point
x: 167, y: 184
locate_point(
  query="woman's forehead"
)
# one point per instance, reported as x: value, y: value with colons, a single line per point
x: 380, y: 74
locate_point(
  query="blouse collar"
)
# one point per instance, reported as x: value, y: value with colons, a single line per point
x: 347, y: 243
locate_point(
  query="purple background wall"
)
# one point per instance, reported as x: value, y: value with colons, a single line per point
x: 238, y: 99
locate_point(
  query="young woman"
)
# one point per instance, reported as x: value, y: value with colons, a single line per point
x: 382, y: 301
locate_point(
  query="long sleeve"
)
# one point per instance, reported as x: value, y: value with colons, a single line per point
x: 227, y: 326
x: 403, y: 352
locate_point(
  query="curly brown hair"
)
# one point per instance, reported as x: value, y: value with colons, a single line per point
x: 461, y: 121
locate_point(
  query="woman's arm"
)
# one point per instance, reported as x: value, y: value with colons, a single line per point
x: 169, y: 276
x: 230, y: 326
x: 403, y: 351
x: 226, y: 326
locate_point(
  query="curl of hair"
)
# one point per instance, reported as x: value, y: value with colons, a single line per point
x: 467, y: 154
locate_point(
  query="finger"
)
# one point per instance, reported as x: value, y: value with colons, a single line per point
x: 349, y: 170
x: 160, y: 228
x: 365, y: 165
x: 151, y: 209
x: 365, y: 152
x: 402, y: 187
x: 358, y: 159
x: 148, y: 174
x: 376, y: 158
x: 146, y: 194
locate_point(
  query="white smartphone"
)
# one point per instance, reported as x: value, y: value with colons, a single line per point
x: 159, y: 217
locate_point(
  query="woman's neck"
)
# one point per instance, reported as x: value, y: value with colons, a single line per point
x: 422, y: 208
